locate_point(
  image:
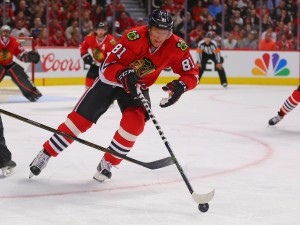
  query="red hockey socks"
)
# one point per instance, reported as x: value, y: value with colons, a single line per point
x: 290, y: 103
x: 131, y: 126
x: 74, y: 125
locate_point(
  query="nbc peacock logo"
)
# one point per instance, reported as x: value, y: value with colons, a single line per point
x: 271, y: 65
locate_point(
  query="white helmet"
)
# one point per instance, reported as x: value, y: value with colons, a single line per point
x: 5, y: 27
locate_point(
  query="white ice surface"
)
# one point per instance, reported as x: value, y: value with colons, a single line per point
x: 220, y: 137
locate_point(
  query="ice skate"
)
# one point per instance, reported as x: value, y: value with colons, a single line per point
x: 38, y: 164
x: 275, y: 120
x: 7, y: 167
x: 224, y: 85
x: 103, y: 171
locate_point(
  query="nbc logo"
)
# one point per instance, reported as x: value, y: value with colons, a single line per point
x: 270, y: 65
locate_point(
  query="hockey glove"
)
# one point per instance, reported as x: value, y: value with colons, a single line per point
x: 175, y: 88
x: 130, y: 80
x: 32, y: 56
x: 88, y: 59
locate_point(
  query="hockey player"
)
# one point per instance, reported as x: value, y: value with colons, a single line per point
x: 100, y: 44
x: 6, y: 164
x: 290, y: 103
x: 9, y: 47
x: 208, y: 49
x: 139, y: 57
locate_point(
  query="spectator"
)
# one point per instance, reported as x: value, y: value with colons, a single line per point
x: 266, y: 22
x: 140, y: 21
x: 57, y: 39
x: 238, y: 19
x: 86, y: 24
x: 269, y: 30
x: 21, y: 16
x: 85, y: 5
x: 22, y: 6
x: 197, y: 11
x: 254, y: 17
x: 71, y: 29
x: 120, y: 7
x: 36, y: 28
x: 230, y: 42
x: 196, y: 35
x: 236, y: 32
x: 117, y: 34
x: 267, y: 43
x: 168, y: 6
x: 212, y: 25
x: 230, y: 25
x: 177, y: 17
x: 249, y: 42
x: 284, y: 17
x: 180, y: 31
x: 224, y: 13
x: 54, y: 26
x: 43, y: 38
x: 97, y: 14
x: 56, y: 12
x: 215, y: 8
x: 74, y: 16
x: 126, y: 21
x: 9, y: 14
x: 284, y: 44
x: 19, y: 29
x: 74, y: 40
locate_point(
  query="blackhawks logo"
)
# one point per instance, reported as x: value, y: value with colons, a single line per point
x: 132, y: 35
x: 143, y: 66
x: 182, y: 45
x: 5, y: 54
x: 98, y: 54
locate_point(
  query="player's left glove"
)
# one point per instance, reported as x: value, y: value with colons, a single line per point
x: 175, y: 88
x: 33, y: 56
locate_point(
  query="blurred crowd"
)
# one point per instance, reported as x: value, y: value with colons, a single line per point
x: 246, y: 24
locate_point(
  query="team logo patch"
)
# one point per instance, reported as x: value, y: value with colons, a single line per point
x: 132, y: 35
x: 5, y: 54
x: 182, y: 45
x: 112, y: 41
x: 98, y: 54
x: 143, y: 66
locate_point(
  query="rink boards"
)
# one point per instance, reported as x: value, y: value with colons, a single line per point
x: 63, y: 66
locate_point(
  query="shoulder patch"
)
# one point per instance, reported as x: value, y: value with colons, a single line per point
x: 133, y: 35
x: 112, y: 41
x: 182, y: 45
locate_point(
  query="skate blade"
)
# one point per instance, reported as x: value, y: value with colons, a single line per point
x: 99, y: 177
x: 31, y: 175
x: 7, y: 171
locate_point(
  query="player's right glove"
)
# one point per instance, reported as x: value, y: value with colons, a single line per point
x: 129, y: 80
x: 88, y: 59
x: 175, y: 88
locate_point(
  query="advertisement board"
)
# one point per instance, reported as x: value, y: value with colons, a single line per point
x: 64, y: 66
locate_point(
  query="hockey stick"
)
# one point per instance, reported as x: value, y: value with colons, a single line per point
x: 150, y: 165
x: 201, y: 199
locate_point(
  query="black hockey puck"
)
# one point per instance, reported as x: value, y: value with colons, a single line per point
x: 203, y: 207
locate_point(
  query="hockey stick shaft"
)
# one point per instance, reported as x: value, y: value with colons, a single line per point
x: 198, y: 198
x: 150, y: 165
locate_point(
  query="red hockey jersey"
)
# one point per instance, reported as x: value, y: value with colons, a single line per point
x: 99, y: 49
x: 10, y: 49
x: 133, y: 50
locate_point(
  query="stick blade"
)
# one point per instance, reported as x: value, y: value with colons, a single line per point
x: 203, y: 198
x: 168, y: 161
